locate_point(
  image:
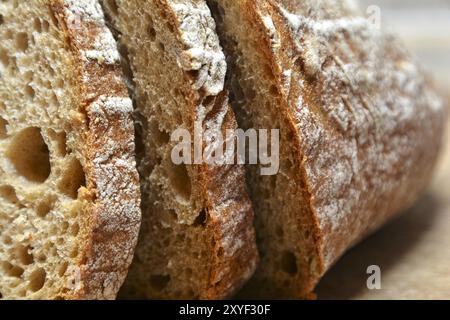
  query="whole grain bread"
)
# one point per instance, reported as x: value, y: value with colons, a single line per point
x: 360, y: 127
x: 69, y: 189
x: 197, y: 238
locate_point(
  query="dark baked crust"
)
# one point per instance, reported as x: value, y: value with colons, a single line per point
x: 103, y: 121
x: 365, y: 134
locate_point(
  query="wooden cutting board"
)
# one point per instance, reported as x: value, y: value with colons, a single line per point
x: 413, y: 251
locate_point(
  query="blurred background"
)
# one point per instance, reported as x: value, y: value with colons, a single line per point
x: 413, y: 251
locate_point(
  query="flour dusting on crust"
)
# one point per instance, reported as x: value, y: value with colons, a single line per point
x: 202, y: 51
x: 103, y: 48
x: 370, y: 111
x: 114, y: 216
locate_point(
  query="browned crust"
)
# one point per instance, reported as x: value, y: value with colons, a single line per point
x: 369, y: 213
x: 111, y: 216
x: 234, y: 222
x: 254, y: 288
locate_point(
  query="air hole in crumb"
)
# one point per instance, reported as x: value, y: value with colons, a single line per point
x: 74, y: 252
x: 23, y: 255
x: 3, y: 130
x: 4, y: 58
x: 152, y: 33
x: 2, y: 20
x: 200, y: 221
x: 74, y: 229
x: 22, y: 41
x: 30, y: 155
x: 289, y: 263
x: 9, y: 193
x: 73, y: 179
x: 29, y: 92
x: 37, y: 279
x: 161, y: 46
x: 11, y: 270
x: 159, y: 282
x: 63, y: 268
x: 180, y: 181
x: 45, y: 207
x: 37, y: 24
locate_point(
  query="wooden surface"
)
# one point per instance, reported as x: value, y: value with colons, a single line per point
x: 413, y: 251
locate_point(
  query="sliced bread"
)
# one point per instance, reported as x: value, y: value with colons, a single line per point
x: 360, y: 128
x: 197, y: 238
x: 69, y: 189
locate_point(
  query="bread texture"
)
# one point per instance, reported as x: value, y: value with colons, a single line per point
x: 197, y: 238
x: 360, y: 127
x: 69, y: 188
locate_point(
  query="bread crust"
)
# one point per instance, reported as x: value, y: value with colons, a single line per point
x: 367, y: 125
x: 222, y: 189
x: 103, y: 121
x: 217, y: 192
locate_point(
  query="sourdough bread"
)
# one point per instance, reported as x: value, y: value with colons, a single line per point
x: 69, y: 189
x: 197, y: 239
x: 360, y: 123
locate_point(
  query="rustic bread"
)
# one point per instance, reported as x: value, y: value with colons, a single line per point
x: 197, y: 238
x: 69, y: 190
x: 360, y: 125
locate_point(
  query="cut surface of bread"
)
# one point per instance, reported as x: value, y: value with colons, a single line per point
x: 197, y: 238
x: 360, y: 129
x: 69, y: 189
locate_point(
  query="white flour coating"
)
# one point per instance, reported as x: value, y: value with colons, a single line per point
x: 113, y: 166
x: 104, y: 50
x: 104, y: 47
x: 357, y: 136
x: 274, y: 36
x: 203, y: 52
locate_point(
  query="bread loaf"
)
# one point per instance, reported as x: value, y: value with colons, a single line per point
x: 360, y: 128
x: 197, y: 239
x: 69, y: 190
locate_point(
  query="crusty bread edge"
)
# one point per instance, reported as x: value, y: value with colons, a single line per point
x: 230, y: 219
x: 104, y: 120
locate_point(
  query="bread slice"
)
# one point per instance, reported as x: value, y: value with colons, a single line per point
x: 197, y: 239
x: 360, y: 130
x: 69, y: 189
